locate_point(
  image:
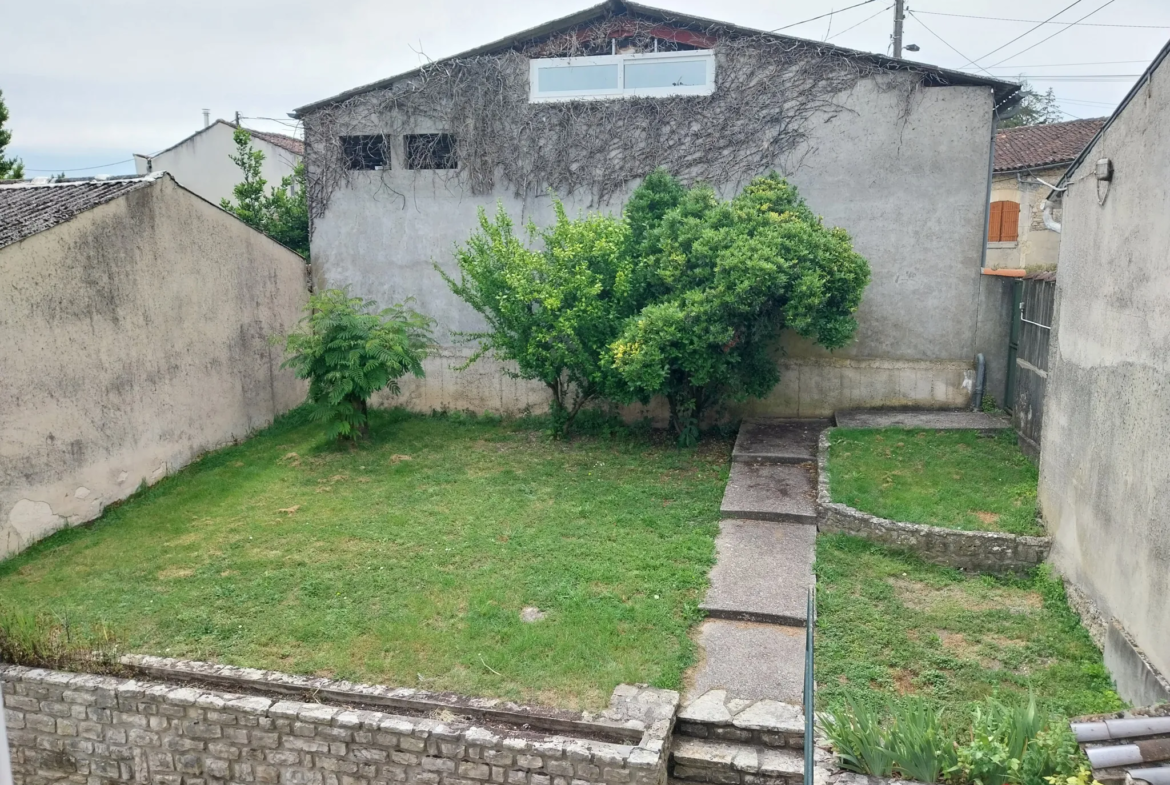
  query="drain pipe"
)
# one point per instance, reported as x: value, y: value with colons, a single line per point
x: 5, y: 762
x: 980, y: 382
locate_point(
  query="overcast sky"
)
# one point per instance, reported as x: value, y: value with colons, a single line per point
x: 89, y: 82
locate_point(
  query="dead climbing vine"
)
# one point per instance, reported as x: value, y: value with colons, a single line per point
x: 767, y: 91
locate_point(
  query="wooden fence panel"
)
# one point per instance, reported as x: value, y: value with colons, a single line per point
x: 1036, y: 311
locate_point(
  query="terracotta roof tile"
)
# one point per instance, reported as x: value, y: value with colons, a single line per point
x: 28, y: 207
x: 289, y: 143
x: 1038, y: 146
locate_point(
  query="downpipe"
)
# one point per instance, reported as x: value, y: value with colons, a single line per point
x: 5, y: 762
x: 980, y: 383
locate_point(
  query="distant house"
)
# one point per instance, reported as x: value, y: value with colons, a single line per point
x: 897, y: 153
x: 201, y: 163
x: 1028, y: 160
x: 136, y: 319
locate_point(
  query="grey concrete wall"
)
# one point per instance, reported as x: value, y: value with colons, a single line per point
x: 1104, y: 466
x: 907, y: 180
x: 135, y: 338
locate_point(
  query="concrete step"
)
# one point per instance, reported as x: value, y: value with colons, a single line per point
x: 715, y: 716
x: 763, y: 572
x: 778, y: 441
x: 728, y: 763
x: 771, y: 492
x: 750, y: 661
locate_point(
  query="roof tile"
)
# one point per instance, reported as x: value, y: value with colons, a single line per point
x: 28, y: 207
x: 1039, y: 146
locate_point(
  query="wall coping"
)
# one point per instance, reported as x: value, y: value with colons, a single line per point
x: 984, y: 551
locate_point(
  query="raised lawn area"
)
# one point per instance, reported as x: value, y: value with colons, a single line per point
x: 406, y: 560
x: 891, y: 626
x: 955, y: 479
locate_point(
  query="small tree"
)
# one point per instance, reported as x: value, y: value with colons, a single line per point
x: 553, y: 311
x: 283, y: 212
x: 348, y: 352
x: 1035, y: 108
x: 721, y: 279
x: 10, y: 168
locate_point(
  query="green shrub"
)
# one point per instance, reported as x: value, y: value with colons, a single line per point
x: 348, y: 352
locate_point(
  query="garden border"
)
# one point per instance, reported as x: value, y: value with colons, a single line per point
x: 172, y: 727
x: 994, y: 552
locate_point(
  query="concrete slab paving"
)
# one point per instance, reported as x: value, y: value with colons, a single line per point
x: 749, y: 661
x: 778, y: 441
x: 762, y: 573
x: 771, y: 492
x: 981, y: 421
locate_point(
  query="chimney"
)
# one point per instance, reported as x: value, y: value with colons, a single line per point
x: 206, y: 117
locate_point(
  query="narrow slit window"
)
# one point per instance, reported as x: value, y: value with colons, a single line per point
x: 366, y: 152
x: 430, y: 151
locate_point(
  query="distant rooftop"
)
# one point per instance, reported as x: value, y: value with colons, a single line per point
x: 31, y: 206
x: 1041, y: 146
x: 287, y: 143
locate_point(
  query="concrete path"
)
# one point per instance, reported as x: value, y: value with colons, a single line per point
x: 753, y: 641
x: 981, y: 421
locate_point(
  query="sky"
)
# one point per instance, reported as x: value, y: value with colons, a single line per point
x: 90, y: 82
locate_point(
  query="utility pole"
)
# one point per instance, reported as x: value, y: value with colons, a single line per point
x: 899, y: 17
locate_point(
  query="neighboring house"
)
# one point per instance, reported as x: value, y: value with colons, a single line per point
x: 1028, y: 161
x: 136, y: 319
x: 897, y: 153
x: 202, y: 164
x: 1104, y: 464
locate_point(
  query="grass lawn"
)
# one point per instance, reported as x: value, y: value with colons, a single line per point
x: 956, y: 479
x: 890, y: 625
x: 407, y: 560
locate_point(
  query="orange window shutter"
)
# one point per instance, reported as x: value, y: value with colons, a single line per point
x: 995, y: 222
x: 1010, y: 222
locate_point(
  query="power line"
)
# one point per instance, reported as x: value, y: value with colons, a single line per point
x: 1058, y: 32
x: 1033, y: 21
x: 953, y: 49
x: 83, y: 168
x: 1026, y: 32
x: 1069, y: 65
x: 859, y: 24
x: 822, y: 16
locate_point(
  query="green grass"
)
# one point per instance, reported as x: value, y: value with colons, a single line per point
x: 406, y: 560
x: 954, y: 479
x: 891, y: 626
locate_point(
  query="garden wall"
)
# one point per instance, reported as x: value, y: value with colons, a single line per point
x: 992, y: 552
x: 135, y: 339
x: 67, y: 727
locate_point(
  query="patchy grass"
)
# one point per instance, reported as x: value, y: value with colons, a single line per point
x: 406, y: 560
x: 892, y: 626
x: 956, y: 479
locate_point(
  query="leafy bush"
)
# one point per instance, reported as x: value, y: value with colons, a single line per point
x: 348, y: 352
x: 721, y: 279
x: 1004, y: 746
x: 283, y: 212
x: 554, y: 311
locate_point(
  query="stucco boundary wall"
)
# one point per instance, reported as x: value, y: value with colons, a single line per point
x: 184, y: 730
x: 993, y: 552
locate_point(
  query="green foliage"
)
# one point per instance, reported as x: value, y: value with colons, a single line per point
x: 39, y: 640
x: 720, y: 279
x: 348, y: 352
x: 989, y: 404
x: 1005, y: 745
x: 10, y: 168
x: 683, y: 298
x: 1035, y: 109
x: 553, y: 311
x: 281, y: 213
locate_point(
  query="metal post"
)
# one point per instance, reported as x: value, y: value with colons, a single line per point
x: 809, y: 686
x: 5, y: 762
x: 899, y: 17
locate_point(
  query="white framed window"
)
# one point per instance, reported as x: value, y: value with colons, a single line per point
x: 622, y: 75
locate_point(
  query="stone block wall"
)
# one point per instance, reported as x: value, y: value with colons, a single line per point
x: 94, y: 730
x: 993, y: 552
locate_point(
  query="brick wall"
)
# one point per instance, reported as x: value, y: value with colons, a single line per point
x: 94, y: 730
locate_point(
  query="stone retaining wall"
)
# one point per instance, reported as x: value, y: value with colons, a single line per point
x: 94, y: 730
x: 994, y: 552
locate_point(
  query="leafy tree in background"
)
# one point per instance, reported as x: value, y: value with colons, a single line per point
x: 1035, y: 108
x: 10, y: 168
x: 554, y: 311
x: 283, y: 212
x: 721, y: 279
x: 348, y: 351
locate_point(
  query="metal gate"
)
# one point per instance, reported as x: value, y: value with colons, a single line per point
x: 1028, y: 351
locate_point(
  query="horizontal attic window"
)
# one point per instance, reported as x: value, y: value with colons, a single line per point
x: 651, y: 74
x: 430, y: 151
x: 366, y: 152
